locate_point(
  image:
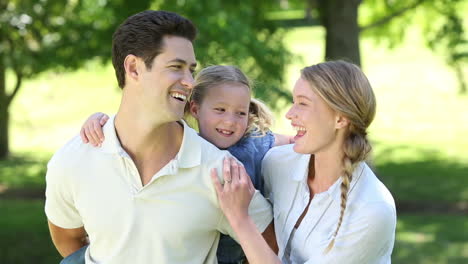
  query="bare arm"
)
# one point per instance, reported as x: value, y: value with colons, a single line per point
x: 67, y: 241
x: 283, y: 139
x: 234, y: 198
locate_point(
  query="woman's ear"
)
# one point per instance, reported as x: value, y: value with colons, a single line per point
x: 130, y: 65
x: 341, y: 122
x: 194, y: 108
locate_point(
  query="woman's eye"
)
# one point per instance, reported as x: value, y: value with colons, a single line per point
x: 218, y: 109
x: 242, y: 113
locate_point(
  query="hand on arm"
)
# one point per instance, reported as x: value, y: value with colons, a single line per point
x: 283, y: 139
x: 234, y: 198
x: 91, y: 131
x: 67, y: 241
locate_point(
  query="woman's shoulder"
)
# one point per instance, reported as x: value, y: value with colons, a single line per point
x: 280, y: 153
x: 370, y: 191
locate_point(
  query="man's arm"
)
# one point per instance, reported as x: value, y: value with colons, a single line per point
x: 67, y: 241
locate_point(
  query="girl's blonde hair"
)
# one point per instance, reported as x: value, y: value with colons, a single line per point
x: 345, y: 88
x: 260, y: 117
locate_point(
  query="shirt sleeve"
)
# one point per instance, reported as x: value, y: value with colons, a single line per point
x: 59, y: 206
x: 368, y: 239
x: 259, y: 210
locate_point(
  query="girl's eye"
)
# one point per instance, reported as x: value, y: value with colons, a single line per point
x: 242, y: 113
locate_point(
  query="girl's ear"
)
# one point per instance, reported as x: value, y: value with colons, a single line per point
x: 341, y: 122
x: 194, y: 108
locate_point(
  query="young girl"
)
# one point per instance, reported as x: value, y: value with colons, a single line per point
x: 230, y: 119
x: 328, y: 205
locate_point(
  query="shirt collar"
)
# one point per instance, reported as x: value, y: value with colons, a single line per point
x: 111, y: 143
x: 190, y: 151
x: 188, y: 156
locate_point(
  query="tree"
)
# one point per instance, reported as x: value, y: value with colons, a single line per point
x: 36, y: 36
x: 388, y: 20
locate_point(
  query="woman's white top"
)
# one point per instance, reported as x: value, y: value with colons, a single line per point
x: 367, y: 233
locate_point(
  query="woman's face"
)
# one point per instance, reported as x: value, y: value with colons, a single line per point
x: 314, y: 121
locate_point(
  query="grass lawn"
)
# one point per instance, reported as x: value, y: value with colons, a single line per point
x: 24, y: 236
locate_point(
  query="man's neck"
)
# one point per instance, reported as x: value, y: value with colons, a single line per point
x: 151, y: 145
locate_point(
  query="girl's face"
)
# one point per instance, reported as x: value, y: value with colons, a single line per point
x: 315, y: 122
x: 223, y: 114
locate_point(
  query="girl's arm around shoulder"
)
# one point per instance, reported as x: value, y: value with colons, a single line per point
x: 281, y: 139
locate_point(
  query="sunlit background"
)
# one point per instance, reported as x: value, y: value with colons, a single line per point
x: 420, y: 134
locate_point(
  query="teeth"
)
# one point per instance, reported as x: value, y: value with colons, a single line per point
x: 224, y: 132
x: 179, y: 96
x: 299, y: 128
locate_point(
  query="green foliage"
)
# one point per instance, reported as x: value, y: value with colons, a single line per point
x: 40, y: 35
x: 238, y: 33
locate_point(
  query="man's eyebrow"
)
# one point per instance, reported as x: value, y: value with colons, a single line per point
x: 182, y: 62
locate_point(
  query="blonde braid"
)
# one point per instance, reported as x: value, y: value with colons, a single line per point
x: 356, y: 149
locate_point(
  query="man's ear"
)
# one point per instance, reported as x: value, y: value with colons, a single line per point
x: 131, y: 66
x: 194, y: 108
x: 341, y: 122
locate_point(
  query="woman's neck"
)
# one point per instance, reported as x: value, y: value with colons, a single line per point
x: 324, y: 170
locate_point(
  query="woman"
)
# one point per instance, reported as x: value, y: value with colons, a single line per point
x: 329, y: 207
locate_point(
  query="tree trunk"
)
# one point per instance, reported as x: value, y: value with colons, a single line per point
x: 4, y: 148
x: 340, y: 19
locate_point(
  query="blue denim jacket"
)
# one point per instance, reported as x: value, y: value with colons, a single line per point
x: 250, y: 151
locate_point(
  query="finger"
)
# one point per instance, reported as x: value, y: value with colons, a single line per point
x: 234, y: 171
x: 89, y: 135
x: 227, y: 170
x: 216, y: 183
x: 98, y: 131
x: 104, y: 119
x: 92, y: 130
x: 83, y: 136
x: 246, y: 178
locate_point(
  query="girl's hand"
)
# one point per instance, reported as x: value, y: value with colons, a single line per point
x: 91, y: 131
x: 236, y: 193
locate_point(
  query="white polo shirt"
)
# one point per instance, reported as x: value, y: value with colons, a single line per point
x: 175, y: 218
x: 367, y: 233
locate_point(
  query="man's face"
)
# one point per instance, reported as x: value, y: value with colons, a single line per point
x: 167, y: 85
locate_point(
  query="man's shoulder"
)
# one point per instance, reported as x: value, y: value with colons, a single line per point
x: 211, y: 153
x: 72, y: 153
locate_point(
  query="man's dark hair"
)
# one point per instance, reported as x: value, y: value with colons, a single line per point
x: 142, y: 35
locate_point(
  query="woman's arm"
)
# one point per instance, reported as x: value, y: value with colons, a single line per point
x: 91, y: 131
x: 234, y: 198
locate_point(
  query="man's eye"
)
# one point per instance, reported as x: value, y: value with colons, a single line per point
x: 176, y: 67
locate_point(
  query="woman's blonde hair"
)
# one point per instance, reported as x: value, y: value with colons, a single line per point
x: 260, y: 118
x: 345, y: 88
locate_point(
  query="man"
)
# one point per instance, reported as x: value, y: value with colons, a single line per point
x: 146, y: 195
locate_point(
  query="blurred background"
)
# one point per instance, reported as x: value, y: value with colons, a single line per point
x: 55, y: 72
